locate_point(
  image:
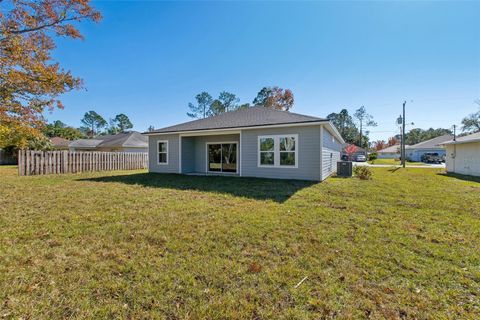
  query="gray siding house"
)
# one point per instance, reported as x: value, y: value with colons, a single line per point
x: 416, y: 151
x: 251, y: 142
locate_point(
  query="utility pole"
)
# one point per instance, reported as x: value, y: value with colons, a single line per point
x: 454, y: 132
x: 403, y: 135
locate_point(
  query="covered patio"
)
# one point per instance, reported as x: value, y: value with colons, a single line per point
x: 210, y: 154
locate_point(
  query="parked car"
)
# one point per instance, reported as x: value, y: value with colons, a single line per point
x: 360, y: 158
x: 431, y: 157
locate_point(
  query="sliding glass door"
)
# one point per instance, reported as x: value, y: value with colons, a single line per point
x: 222, y: 157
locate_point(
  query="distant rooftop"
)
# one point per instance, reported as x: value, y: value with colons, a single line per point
x: 391, y: 149
x: 85, y: 143
x: 474, y: 137
x: 432, y: 143
x: 132, y: 139
x: 59, y: 142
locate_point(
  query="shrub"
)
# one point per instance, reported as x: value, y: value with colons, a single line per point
x: 372, y: 156
x: 362, y: 172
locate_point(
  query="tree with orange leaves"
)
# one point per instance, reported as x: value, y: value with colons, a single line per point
x: 350, y: 150
x: 379, y: 145
x: 275, y: 97
x: 392, y: 141
x: 30, y: 81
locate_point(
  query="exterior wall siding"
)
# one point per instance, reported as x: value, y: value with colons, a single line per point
x: 188, y: 154
x: 467, y: 159
x: 173, y: 154
x: 331, y: 151
x: 388, y: 155
x: 308, y: 149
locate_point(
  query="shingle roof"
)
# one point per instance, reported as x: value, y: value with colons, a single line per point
x: 434, y: 143
x: 84, y: 143
x: 59, y: 142
x: 474, y: 137
x: 131, y: 139
x: 126, y: 139
x: 391, y: 149
x: 248, y: 117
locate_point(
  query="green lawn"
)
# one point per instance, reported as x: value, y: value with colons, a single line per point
x: 405, y: 245
x: 394, y: 162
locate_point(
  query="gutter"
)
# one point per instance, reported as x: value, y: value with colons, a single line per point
x: 287, y: 124
x: 460, y: 142
x: 261, y: 126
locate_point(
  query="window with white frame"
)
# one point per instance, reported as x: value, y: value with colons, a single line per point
x: 278, y: 151
x: 162, y: 151
x: 267, y: 151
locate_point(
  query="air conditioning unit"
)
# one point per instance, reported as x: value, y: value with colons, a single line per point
x: 344, y: 169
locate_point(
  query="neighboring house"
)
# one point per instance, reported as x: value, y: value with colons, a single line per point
x: 251, y: 142
x: 60, y: 143
x: 416, y: 151
x: 123, y: 142
x: 392, y: 152
x: 463, y: 155
x: 359, y: 151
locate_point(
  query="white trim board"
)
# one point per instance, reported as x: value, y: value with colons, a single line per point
x: 276, y: 150
x: 201, y: 133
x: 158, y: 152
x: 321, y: 153
x: 179, y: 154
x: 240, y: 151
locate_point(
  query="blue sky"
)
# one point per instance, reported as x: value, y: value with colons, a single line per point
x: 149, y: 59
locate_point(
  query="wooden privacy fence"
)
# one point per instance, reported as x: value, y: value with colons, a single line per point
x: 31, y: 162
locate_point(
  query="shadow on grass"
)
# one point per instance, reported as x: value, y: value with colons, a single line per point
x: 459, y: 177
x: 254, y: 188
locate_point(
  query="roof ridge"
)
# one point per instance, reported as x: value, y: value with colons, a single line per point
x: 131, y: 133
x: 449, y: 135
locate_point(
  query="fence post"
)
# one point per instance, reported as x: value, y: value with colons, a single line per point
x: 27, y: 162
x: 48, y: 162
x: 57, y: 158
x: 64, y: 156
x: 81, y: 161
x: 20, y: 162
x: 58, y: 162
x: 52, y: 170
x: 35, y: 163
